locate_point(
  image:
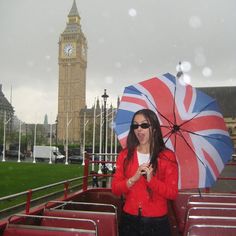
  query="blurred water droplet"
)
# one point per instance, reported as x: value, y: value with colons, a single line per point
x: 132, y: 12
x: 185, y: 79
x: 195, y: 22
x: 207, y: 72
x: 186, y: 66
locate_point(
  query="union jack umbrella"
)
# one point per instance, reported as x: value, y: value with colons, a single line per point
x: 191, y: 123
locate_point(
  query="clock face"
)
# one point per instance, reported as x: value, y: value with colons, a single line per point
x: 68, y: 49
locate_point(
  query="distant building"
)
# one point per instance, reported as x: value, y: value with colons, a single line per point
x: 225, y: 97
x: 5, y: 108
x: 45, y: 122
x: 87, y: 119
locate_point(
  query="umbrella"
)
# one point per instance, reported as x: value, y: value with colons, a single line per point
x: 191, y: 123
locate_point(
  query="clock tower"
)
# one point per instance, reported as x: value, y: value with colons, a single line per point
x: 72, y: 79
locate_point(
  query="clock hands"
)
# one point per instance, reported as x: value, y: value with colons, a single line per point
x: 68, y: 49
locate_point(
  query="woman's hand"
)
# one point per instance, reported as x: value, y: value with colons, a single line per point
x: 146, y: 170
x: 149, y: 171
x: 143, y: 170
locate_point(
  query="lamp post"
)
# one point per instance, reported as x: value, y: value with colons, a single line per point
x: 100, y: 144
x: 56, y: 122
x: 35, y: 136
x: 104, y: 96
x: 19, y: 147
x: 26, y: 138
x: 50, y: 141
x: 67, y: 127
x: 84, y: 138
x: 4, y: 136
x: 94, y: 130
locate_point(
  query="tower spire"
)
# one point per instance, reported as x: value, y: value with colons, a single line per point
x: 73, y: 22
x: 73, y: 16
x: 74, y: 10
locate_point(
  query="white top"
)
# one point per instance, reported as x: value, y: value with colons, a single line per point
x: 143, y: 158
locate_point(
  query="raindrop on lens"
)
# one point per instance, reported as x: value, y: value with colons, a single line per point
x: 207, y: 72
x: 186, y: 66
x: 132, y: 12
x: 195, y: 22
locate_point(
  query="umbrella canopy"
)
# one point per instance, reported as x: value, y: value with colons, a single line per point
x: 191, y: 122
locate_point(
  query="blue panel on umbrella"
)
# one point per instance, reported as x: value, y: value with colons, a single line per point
x: 120, y: 117
x: 131, y: 90
x: 205, y: 102
x: 170, y: 77
x: 223, y: 144
x: 209, y: 181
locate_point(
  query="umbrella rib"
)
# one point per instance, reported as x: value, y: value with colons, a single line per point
x: 204, y: 136
x: 158, y: 111
x: 197, y: 113
x: 169, y: 135
x: 181, y: 135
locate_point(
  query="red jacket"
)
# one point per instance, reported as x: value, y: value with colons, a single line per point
x: 164, y: 185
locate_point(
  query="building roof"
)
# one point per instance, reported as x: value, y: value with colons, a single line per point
x: 4, y: 103
x: 225, y: 97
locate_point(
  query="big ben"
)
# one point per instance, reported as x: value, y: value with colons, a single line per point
x: 72, y: 78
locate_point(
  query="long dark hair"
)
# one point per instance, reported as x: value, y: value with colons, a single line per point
x: 156, y: 139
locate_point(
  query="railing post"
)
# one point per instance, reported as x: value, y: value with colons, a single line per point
x: 29, y: 196
x: 86, y: 168
x: 207, y: 190
x: 66, y: 186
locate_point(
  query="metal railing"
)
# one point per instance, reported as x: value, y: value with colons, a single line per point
x: 29, y: 201
x: 62, y: 193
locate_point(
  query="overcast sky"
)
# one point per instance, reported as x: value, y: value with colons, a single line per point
x: 128, y: 41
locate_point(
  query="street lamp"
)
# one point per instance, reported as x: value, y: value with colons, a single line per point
x: 104, y: 96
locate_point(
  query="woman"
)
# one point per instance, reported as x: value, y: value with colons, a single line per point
x: 147, y: 176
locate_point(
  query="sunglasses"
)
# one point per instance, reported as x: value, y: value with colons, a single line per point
x: 143, y: 126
